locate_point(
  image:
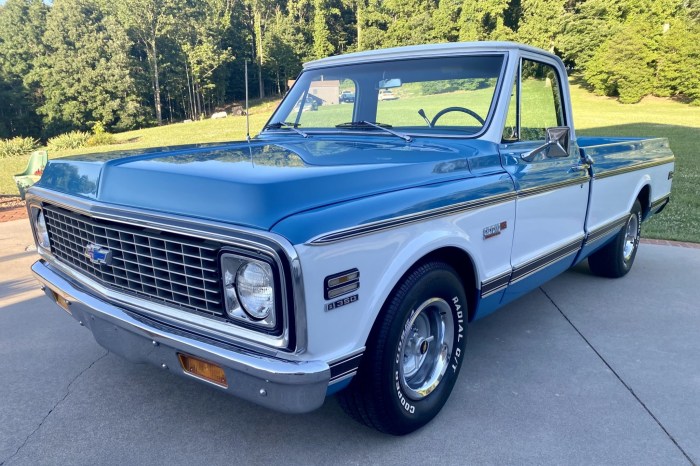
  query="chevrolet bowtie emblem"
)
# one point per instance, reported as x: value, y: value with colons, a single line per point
x: 98, y: 254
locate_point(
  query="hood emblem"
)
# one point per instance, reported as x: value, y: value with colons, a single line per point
x: 98, y: 254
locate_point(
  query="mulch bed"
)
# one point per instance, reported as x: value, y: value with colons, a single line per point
x: 12, y: 208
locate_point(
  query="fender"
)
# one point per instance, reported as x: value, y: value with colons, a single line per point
x: 383, y: 258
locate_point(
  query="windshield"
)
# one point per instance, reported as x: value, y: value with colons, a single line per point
x: 428, y: 96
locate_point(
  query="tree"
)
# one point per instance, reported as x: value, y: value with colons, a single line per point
x: 322, y: 44
x: 22, y: 23
x: 150, y: 22
x: 540, y: 22
x: 678, y: 62
x: 483, y: 20
x: 85, y: 74
x: 623, y: 67
x: 284, y: 57
x: 203, y: 48
x: 585, y: 28
x: 412, y: 22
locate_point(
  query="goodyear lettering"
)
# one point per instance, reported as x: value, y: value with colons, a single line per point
x: 408, y: 407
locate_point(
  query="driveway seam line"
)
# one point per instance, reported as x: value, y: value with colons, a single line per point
x: 619, y: 378
x: 52, y: 409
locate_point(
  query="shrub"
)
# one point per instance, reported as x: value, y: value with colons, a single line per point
x: 622, y: 67
x: 72, y: 140
x: 100, y: 136
x: 17, y: 146
x: 102, y: 139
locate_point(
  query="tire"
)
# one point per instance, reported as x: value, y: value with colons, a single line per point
x: 616, y: 258
x: 410, y: 365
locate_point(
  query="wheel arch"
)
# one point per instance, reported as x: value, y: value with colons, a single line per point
x: 457, y: 258
x: 464, y: 265
x: 644, y: 198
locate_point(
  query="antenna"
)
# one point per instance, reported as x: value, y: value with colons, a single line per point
x: 247, y: 120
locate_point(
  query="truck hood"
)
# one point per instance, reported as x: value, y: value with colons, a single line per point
x: 254, y: 184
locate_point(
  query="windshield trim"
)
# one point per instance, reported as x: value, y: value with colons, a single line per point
x: 484, y: 129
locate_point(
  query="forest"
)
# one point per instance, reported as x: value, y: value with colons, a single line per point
x: 117, y: 65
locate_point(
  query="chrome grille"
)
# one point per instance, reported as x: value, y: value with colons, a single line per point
x: 160, y: 266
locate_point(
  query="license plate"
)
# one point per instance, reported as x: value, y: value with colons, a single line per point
x: 62, y: 302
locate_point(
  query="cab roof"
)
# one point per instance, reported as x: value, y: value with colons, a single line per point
x: 422, y: 51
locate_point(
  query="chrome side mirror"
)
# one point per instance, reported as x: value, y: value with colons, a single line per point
x: 556, y: 144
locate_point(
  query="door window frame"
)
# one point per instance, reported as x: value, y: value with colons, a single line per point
x: 518, y: 93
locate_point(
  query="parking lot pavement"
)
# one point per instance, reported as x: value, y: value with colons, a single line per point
x: 583, y: 371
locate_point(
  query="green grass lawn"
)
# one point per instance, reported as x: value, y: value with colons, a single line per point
x: 653, y: 117
x: 593, y: 115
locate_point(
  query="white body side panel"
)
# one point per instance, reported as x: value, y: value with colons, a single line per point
x: 382, y: 258
x: 548, y: 221
x: 612, y: 197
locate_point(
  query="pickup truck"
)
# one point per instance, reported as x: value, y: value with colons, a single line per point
x: 347, y: 250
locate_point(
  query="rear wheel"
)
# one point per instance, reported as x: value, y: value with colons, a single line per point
x: 616, y: 258
x: 413, y: 355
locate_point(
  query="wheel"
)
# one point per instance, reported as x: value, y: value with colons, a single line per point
x: 616, y: 258
x: 456, y: 109
x: 414, y: 353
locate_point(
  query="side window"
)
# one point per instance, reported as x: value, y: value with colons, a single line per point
x: 540, y: 100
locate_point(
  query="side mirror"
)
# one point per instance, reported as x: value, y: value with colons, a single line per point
x: 557, y: 140
x: 556, y: 144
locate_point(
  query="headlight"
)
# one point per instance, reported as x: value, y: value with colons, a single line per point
x: 254, y: 283
x: 249, y: 289
x: 42, y: 234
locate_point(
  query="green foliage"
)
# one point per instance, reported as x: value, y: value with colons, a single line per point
x: 484, y: 20
x: 622, y: 66
x: 17, y: 146
x: 67, y: 64
x: 540, y: 22
x: 85, y: 74
x: 22, y: 23
x: 100, y: 136
x: 71, y: 140
x: 322, y: 45
x: 452, y: 85
x: 678, y: 61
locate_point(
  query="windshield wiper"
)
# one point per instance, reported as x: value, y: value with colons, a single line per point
x: 286, y: 125
x: 381, y: 126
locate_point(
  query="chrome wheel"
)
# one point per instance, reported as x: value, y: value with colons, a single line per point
x: 631, y: 237
x: 426, y: 348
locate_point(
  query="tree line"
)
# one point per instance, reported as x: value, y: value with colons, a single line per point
x: 132, y: 63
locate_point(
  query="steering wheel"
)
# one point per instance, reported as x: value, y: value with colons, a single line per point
x: 456, y: 109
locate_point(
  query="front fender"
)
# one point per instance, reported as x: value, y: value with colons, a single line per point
x: 383, y: 258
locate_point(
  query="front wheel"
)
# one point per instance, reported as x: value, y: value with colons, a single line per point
x: 414, y: 353
x: 616, y: 258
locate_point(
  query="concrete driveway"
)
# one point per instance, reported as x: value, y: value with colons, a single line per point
x: 583, y: 371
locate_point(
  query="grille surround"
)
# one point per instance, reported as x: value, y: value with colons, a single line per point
x: 163, y: 267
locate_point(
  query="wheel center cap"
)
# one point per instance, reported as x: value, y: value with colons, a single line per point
x: 423, y: 347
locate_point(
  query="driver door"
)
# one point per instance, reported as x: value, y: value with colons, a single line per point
x: 552, y: 191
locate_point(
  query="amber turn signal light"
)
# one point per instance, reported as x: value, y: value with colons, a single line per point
x: 203, y: 369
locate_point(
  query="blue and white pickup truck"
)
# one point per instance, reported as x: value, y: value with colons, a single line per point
x: 347, y: 249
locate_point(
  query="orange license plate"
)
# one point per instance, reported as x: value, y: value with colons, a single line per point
x: 62, y: 302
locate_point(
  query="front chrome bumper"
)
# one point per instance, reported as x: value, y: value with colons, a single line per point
x: 283, y: 385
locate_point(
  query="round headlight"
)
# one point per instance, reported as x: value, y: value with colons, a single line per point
x: 42, y: 233
x: 255, y: 287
